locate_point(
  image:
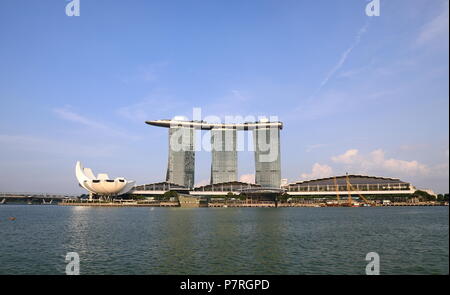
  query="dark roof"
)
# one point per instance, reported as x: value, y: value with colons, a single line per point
x: 226, y: 184
x: 353, y: 179
x: 163, y: 183
x: 263, y: 190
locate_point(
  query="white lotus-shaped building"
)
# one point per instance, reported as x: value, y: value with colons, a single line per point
x: 102, y: 185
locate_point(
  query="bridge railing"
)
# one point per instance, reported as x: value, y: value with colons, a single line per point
x: 37, y: 195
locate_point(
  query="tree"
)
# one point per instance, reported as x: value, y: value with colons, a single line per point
x: 229, y: 196
x: 442, y: 197
x: 283, y: 197
x: 169, y: 194
x: 242, y: 197
x: 423, y: 196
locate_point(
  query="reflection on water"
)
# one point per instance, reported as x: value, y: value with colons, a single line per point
x: 223, y: 240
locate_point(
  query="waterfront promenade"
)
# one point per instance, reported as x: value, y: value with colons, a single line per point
x: 242, y: 204
x: 96, y: 203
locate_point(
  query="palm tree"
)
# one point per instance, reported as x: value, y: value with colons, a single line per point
x: 228, y: 197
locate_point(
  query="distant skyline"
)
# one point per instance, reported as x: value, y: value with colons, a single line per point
x: 356, y: 94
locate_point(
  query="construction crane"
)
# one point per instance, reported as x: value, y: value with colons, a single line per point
x: 350, y: 200
x: 350, y: 187
x: 337, y: 191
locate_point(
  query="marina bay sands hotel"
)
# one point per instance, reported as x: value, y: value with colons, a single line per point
x: 181, y: 164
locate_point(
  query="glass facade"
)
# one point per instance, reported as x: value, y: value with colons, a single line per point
x: 181, y: 165
x: 224, y: 156
x: 267, y: 156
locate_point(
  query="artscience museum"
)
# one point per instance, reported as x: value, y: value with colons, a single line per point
x: 101, y: 184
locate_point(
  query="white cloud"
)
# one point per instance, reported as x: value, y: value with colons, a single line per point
x: 34, y: 144
x: 248, y: 178
x: 376, y: 161
x: 351, y: 73
x: 318, y: 171
x: 349, y: 157
x: 437, y: 28
x: 324, y: 105
x: 313, y: 147
x: 344, y: 56
x: 67, y: 114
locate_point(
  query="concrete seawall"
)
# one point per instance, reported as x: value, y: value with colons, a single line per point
x: 240, y: 205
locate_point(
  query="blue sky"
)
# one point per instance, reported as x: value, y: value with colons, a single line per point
x: 357, y: 94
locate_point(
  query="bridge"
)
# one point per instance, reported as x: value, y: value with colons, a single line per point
x: 30, y: 197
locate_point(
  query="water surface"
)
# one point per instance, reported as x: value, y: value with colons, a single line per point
x: 409, y: 240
